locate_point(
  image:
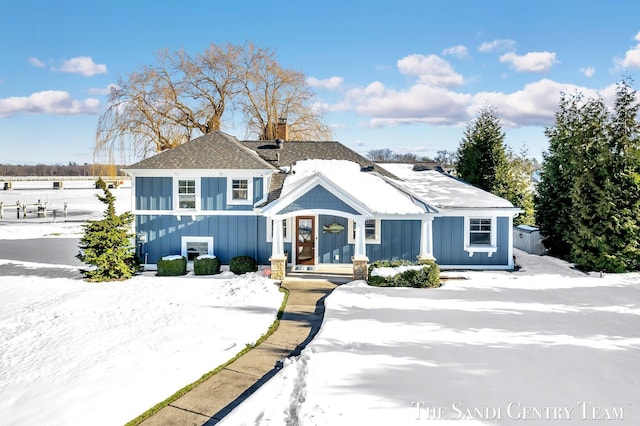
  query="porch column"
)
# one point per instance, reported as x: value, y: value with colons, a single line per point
x: 360, y: 259
x: 426, y: 241
x: 278, y: 259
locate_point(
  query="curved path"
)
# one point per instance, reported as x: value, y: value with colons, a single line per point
x: 208, y: 403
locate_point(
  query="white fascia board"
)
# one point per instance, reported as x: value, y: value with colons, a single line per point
x: 189, y: 213
x: 484, y: 211
x: 198, y: 172
x: 313, y: 181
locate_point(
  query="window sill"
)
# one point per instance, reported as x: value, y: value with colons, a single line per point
x: 481, y: 249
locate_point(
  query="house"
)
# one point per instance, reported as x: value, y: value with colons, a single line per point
x: 309, y: 203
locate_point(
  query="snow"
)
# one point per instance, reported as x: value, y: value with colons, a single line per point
x: 206, y: 256
x: 487, y: 348
x: 387, y: 271
x: 440, y: 190
x: 369, y: 189
x: 77, y: 353
x: 172, y: 257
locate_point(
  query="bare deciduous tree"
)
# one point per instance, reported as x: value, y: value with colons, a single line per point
x: 181, y: 96
x: 272, y: 93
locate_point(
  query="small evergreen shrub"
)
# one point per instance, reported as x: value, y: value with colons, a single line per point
x: 206, y: 265
x: 171, y: 266
x: 242, y: 264
x: 418, y: 276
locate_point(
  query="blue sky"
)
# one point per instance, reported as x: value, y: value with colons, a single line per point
x: 403, y: 75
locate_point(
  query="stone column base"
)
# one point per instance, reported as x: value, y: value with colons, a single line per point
x: 360, y: 268
x: 278, y: 267
x: 425, y: 260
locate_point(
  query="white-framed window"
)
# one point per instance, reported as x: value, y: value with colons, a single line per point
x: 239, y: 190
x: 286, y: 230
x: 187, y: 191
x: 193, y: 247
x: 480, y: 235
x: 371, y: 231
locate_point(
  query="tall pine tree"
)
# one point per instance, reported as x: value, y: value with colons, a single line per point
x: 106, y: 243
x: 588, y: 204
x: 485, y: 161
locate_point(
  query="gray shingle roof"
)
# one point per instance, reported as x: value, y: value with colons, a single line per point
x: 216, y: 150
x: 292, y: 151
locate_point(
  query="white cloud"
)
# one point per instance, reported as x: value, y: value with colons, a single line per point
x: 458, y: 51
x: 431, y: 70
x: 496, y: 46
x: 83, y: 65
x: 333, y: 83
x: 36, y: 62
x: 530, y: 62
x: 52, y: 102
x: 421, y: 103
x: 103, y: 91
x: 533, y: 105
x: 632, y: 56
x: 588, y: 71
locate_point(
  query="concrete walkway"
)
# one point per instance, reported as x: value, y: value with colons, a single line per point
x: 208, y: 403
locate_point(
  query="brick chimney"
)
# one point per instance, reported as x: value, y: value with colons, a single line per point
x: 282, y: 130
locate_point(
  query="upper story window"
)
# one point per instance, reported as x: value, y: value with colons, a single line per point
x: 239, y: 191
x: 186, y: 194
x: 371, y: 231
x: 480, y: 235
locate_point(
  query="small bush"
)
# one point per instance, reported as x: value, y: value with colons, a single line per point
x: 426, y: 276
x: 205, y: 265
x: 171, y: 266
x: 242, y: 264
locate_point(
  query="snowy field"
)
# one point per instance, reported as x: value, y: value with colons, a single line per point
x: 493, y: 349
x: 538, y: 346
x: 76, y: 353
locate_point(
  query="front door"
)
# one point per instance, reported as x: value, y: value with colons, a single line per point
x: 305, y: 240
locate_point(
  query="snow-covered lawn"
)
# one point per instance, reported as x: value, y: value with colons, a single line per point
x: 77, y: 353
x: 496, y: 348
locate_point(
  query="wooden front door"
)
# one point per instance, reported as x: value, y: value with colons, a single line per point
x: 305, y: 240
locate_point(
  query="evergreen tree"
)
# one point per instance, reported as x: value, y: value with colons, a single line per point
x: 607, y: 196
x: 588, y: 203
x: 482, y: 153
x: 106, y: 243
x: 553, y: 202
x: 485, y: 161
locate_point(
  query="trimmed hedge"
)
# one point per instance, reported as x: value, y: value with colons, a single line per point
x: 172, y: 267
x: 206, y: 265
x: 427, y: 276
x: 242, y: 264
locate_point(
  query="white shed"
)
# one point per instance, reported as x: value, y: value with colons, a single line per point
x: 528, y: 239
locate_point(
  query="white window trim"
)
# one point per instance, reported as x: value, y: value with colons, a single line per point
x: 287, y: 235
x: 230, y: 200
x: 187, y: 239
x: 375, y: 240
x: 480, y: 248
x: 176, y: 195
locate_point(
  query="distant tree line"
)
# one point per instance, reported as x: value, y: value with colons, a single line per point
x: 70, y: 169
x: 444, y: 158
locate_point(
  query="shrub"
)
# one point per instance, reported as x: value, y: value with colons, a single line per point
x: 242, y: 264
x: 171, y: 266
x: 420, y: 276
x: 206, y: 265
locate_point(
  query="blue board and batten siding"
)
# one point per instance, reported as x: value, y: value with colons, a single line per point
x: 400, y: 239
x: 318, y: 198
x: 448, y: 243
x: 156, y: 193
x: 232, y: 235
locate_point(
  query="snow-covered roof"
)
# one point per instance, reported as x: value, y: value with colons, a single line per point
x: 440, y: 190
x: 369, y: 189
